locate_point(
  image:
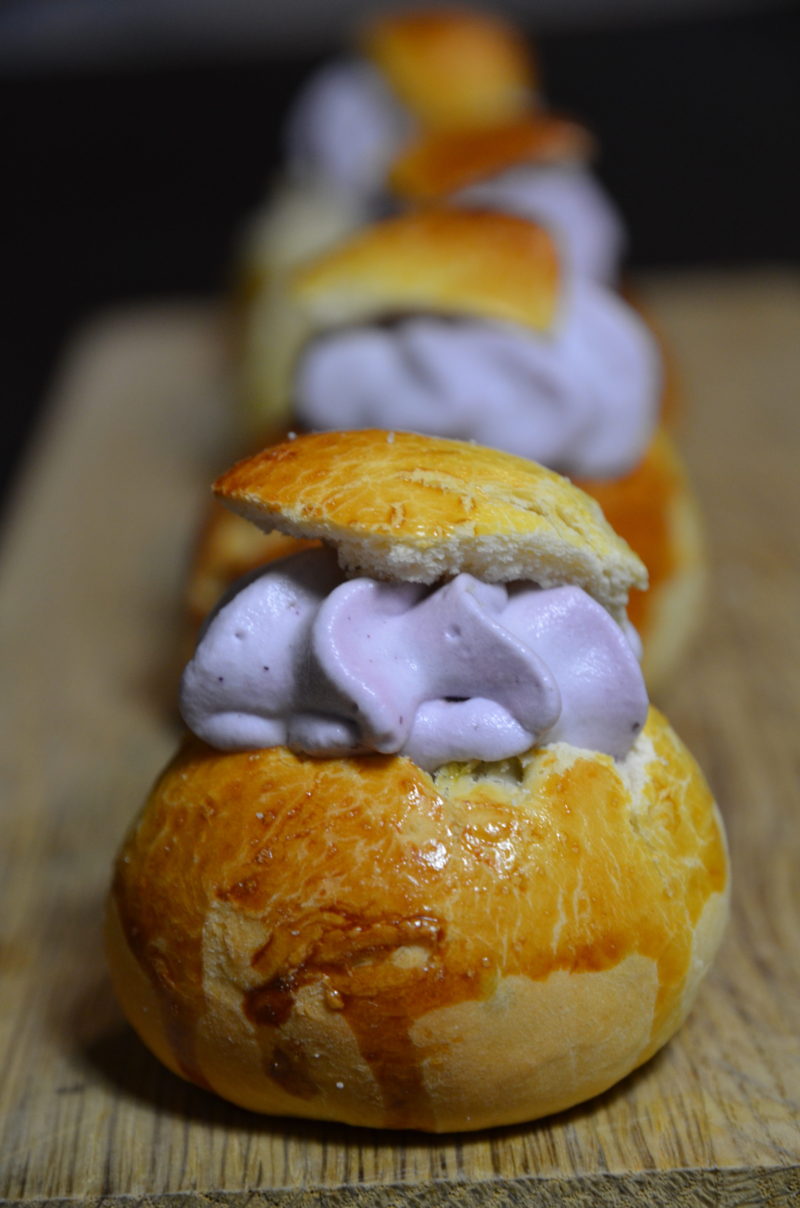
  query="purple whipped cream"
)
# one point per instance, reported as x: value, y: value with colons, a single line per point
x: 300, y: 656
x: 582, y: 398
x: 346, y: 128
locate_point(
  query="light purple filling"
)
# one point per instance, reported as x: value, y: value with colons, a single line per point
x: 302, y: 657
x: 582, y: 398
x: 346, y: 128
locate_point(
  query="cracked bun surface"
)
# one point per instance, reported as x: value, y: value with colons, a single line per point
x: 357, y: 940
x: 401, y: 506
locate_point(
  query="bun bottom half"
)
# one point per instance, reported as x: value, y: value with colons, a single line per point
x: 357, y: 940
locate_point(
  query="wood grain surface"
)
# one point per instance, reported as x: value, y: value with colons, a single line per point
x: 93, y: 560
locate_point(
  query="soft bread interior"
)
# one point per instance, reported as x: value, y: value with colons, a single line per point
x: 402, y: 506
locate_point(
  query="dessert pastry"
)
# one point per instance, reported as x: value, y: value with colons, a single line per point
x: 463, y: 324
x: 443, y: 868
x: 442, y: 108
x: 439, y: 70
x: 417, y: 71
x: 534, y: 168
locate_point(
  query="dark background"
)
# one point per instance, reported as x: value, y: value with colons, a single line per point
x: 131, y: 184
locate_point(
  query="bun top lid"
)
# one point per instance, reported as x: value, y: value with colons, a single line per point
x: 455, y: 261
x: 441, y: 162
x: 452, y: 68
x: 399, y: 506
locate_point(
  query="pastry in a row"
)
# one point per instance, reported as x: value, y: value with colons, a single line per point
x: 410, y: 74
x: 440, y: 106
x: 429, y: 860
x: 467, y: 324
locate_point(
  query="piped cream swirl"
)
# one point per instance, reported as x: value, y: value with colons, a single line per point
x: 301, y: 657
x: 582, y: 398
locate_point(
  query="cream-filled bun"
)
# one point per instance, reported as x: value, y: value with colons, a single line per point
x: 447, y: 262
x: 416, y: 71
x: 563, y: 353
x: 653, y: 508
x: 532, y: 169
x: 351, y: 937
x: 461, y: 324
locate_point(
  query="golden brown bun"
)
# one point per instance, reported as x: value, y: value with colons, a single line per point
x: 355, y: 940
x: 461, y: 262
x: 441, y: 163
x: 452, y: 68
x: 655, y: 510
x: 403, y: 506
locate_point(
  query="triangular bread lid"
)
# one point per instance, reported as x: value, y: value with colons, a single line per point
x: 452, y: 68
x: 405, y: 507
x: 441, y: 162
x: 449, y: 261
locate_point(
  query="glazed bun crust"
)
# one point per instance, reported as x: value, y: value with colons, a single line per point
x: 452, y: 69
x: 356, y: 940
x: 439, y: 261
x: 440, y: 163
x: 409, y: 507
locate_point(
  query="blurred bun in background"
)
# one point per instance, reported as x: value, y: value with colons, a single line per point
x: 140, y: 135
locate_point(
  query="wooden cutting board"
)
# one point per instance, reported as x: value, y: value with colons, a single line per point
x: 94, y: 556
